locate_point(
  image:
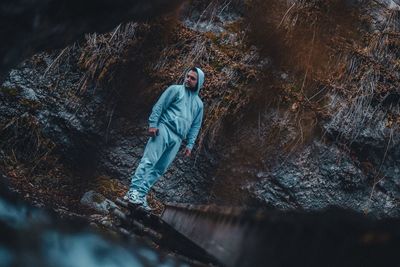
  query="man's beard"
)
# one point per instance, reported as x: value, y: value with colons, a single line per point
x: 190, y: 88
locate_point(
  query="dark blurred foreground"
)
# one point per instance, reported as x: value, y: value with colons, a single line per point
x: 254, y: 237
x: 35, y: 237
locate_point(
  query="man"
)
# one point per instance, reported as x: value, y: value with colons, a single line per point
x: 176, y: 116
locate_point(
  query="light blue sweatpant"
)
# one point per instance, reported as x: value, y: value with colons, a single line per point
x: 159, y: 153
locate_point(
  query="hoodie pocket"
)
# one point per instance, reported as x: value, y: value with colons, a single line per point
x: 178, y: 124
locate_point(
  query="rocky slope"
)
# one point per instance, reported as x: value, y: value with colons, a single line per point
x: 301, y: 107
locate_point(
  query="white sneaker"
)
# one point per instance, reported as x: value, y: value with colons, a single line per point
x: 133, y: 197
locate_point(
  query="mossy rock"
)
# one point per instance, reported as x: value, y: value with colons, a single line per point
x: 30, y: 103
x: 10, y: 91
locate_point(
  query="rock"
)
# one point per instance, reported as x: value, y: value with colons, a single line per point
x: 247, y: 160
x: 98, y: 202
x: 56, y: 24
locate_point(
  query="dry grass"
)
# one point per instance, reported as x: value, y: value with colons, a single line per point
x: 323, y: 45
x: 24, y: 146
x: 102, y: 52
x: 227, y: 66
x: 319, y: 43
x: 369, y: 79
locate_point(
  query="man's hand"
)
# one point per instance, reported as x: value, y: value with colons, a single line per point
x: 153, y: 131
x: 187, y: 152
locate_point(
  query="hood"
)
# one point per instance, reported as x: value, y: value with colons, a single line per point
x: 200, y: 80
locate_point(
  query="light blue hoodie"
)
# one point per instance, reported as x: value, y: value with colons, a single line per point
x: 181, y: 110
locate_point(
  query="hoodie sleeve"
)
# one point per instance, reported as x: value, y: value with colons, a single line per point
x: 162, y: 103
x: 194, y: 129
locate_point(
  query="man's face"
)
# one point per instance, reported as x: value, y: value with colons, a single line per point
x: 191, y: 79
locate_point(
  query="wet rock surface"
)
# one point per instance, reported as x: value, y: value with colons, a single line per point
x: 346, y: 157
x: 329, y: 177
x: 29, y: 92
x: 98, y: 202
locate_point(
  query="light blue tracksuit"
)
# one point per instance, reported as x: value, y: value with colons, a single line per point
x: 177, y: 114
